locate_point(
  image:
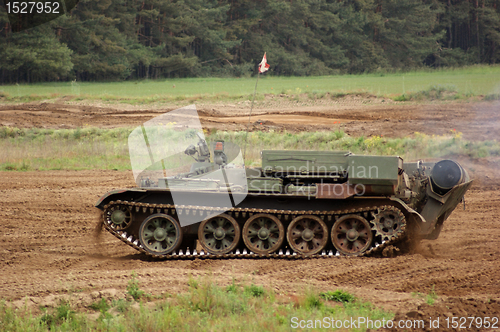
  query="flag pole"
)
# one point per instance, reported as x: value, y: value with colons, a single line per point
x: 249, y: 116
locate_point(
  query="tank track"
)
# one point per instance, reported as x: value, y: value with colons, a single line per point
x: 170, y: 209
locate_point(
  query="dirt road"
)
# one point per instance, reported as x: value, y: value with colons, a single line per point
x: 49, y: 249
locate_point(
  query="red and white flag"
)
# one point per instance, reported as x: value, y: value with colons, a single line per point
x: 263, y: 66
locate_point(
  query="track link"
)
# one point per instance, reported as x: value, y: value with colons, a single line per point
x: 172, y: 210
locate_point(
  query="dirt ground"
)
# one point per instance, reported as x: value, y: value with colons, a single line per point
x: 356, y: 115
x: 49, y: 249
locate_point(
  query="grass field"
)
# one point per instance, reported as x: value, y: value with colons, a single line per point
x: 475, y: 80
x: 206, y: 306
x: 95, y: 148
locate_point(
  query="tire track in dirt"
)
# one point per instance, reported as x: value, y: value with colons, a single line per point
x: 48, y: 248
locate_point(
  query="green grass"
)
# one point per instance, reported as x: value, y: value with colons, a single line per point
x: 133, y: 288
x: 255, y: 291
x: 468, y: 81
x: 430, y: 298
x: 338, y: 296
x: 435, y: 92
x: 77, y: 149
x: 205, y: 306
x: 409, y: 148
x: 107, y: 149
x: 101, y: 306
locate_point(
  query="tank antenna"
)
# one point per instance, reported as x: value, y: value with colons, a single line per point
x: 263, y: 67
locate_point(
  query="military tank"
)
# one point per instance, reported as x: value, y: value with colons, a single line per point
x: 297, y: 204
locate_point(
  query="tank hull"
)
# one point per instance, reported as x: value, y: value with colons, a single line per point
x: 144, y: 203
x: 304, y: 203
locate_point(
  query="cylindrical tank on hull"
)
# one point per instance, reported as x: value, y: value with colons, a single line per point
x: 445, y: 175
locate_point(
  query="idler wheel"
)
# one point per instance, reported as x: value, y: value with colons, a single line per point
x: 219, y: 235
x: 118, y: 216
x: 263, y: 234
x: 352, y: 235
x: 307, y: 235
x: 160, y: 234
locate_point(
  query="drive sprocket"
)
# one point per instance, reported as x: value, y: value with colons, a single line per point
x: 389, y: 223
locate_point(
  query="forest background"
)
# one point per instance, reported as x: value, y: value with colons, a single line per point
x: 109, y: 40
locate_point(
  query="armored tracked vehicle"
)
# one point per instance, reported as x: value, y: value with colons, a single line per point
x: 298, y: 204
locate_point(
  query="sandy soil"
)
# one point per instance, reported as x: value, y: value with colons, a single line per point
x: 49, y: 248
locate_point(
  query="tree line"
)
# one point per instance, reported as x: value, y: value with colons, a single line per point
x: 137, y: 39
